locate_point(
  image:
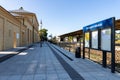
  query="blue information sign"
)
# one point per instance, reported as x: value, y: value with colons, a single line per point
x: 101, y: 36
x: 99, y: 25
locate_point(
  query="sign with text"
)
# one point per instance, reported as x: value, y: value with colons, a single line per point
x: 99, y: 33
x: 101, y: 36
x: 99, y: 25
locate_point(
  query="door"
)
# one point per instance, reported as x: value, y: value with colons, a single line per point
x: 14, y: 41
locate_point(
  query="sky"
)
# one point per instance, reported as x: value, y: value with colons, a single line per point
x: 64, y: 16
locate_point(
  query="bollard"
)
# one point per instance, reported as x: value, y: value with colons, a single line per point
x: 78, y: 52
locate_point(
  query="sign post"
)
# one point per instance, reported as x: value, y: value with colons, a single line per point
x: 113, y: 47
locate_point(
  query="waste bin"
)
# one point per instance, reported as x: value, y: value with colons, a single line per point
x: 78, y: 52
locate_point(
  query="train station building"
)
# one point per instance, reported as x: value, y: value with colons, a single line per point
x: 17, y: 28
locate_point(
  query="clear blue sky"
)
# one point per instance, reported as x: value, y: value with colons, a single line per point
x: 63, y: 16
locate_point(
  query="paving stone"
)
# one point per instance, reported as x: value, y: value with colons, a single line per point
x: 15, y: 77
x: 3, y: 77
x: 27, y: 77
x: 40, y: 77
x: 52, y: 77
x: 41, y: 64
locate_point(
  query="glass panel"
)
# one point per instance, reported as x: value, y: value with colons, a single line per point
x: 106, y: 39
x: 95, y: 39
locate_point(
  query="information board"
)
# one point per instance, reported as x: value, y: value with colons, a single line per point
x: 106, y: 39
x: 87, y: 39
x: 94, y: 40
x: 101, y: 37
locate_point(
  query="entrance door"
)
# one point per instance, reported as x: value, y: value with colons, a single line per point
x: 14, y: 43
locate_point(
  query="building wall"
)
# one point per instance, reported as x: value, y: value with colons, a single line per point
x: 29, y: 31
x: 9, y: 30
x: 36, y: 36
x: 17, y: 30
x: 34, y: 23
x: 1, y: 33
x: 11, y: 35
x: 26, y: 31
x: 23, y: 35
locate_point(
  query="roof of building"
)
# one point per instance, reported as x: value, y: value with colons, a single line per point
x: 14, y: 14
x: 8, y: 14
x: 20, y: 10
x: 117, y: 24
x: 74, y: 33
x: 80, y: 32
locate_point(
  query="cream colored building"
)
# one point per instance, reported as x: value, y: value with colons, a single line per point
x: 17, y: 28
x: 28, y: 19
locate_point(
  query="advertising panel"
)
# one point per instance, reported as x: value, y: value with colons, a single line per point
x: 95, y: 39
x: 87, y: 39
x: 106, y: 39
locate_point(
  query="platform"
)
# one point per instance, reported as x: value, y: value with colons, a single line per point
x: 49, y: 63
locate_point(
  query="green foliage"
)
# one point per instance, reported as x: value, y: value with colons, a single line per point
x: 70, y: 38
x: 54, y: 39
x: 43, y: 34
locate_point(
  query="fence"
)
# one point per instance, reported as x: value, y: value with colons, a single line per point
x: 93, y: 55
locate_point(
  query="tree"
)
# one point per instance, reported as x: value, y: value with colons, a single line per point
x: 43, y: 34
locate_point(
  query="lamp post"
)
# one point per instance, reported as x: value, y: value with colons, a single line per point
x: 41, y: 34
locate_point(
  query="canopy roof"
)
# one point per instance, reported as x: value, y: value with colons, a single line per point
x: 75, y: 33
x: 80, y: 32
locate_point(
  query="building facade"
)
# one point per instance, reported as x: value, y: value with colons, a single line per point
x: 17, y: 28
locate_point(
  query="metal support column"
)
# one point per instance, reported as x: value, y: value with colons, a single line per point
x: 104, y: 62
x: 113, y: 47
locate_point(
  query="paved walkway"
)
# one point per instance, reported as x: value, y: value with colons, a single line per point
x: 13, y: 50
x: 40, y: 63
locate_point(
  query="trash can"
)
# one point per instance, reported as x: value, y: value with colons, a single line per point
x: 78, y: 52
